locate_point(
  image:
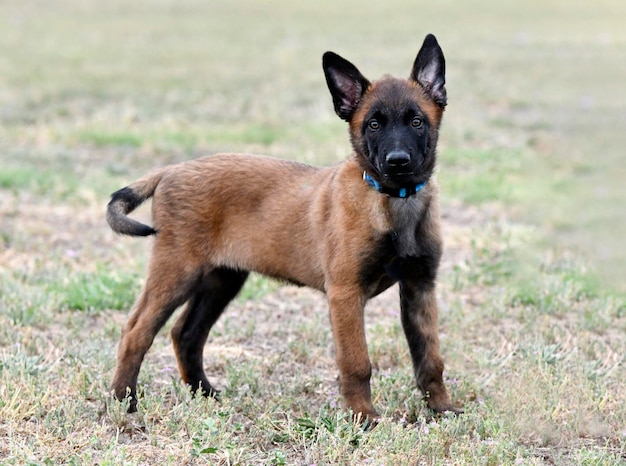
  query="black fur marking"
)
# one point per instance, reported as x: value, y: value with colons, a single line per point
x: 210, y: 296
x: 421, y: 272
x: 383, y: 266
x: 416, y: 341
x: 346, y: 84
x: 127, y: 198
x: 429, y: 70
x: 122, y: 202
x: 373, y: 276
x: 400, y: 130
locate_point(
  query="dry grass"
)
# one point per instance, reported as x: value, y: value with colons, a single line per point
x: 537, y: 365
x: 534, y: 343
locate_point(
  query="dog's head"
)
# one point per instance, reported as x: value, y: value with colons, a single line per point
x: 394, y: 122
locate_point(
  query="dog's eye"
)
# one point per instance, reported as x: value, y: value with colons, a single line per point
x: 373, y: 124
x: 416, y: 122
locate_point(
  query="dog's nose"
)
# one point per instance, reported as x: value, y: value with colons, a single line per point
x: 397, y: 158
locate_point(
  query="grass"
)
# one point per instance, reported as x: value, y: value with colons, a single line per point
x: 532, y: 327
x: 38, y: 181
x: 95, y: 291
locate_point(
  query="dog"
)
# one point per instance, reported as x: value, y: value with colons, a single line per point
x: 350, y: 231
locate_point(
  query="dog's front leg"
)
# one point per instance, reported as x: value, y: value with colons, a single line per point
x: 346, y: 312
x: 419, y: 320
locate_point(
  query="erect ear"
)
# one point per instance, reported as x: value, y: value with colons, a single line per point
x: 429, y: 70
x: 346, y: 84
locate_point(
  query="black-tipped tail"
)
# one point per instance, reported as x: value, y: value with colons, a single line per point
x: 122, y: 202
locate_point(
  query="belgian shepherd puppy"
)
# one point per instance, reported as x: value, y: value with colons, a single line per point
x: 350, y: 231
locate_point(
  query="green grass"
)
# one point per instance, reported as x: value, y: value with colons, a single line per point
x: 45, y: 182
x: 257, y: 286
x: 530, y: 168
x: 485, y: 176
x: 95, y: 291
x: 103, y: 139
x: 186, y: 139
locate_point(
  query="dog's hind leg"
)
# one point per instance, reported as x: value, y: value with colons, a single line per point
x: 190, y: 332
x: 167, y: 287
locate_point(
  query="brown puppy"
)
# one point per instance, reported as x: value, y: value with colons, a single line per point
x: 351, y: 231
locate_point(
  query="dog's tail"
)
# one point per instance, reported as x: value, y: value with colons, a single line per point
x: 128, y: 199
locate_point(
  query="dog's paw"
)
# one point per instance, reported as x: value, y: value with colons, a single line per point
x: 367, y: 419
x: 446, y: 409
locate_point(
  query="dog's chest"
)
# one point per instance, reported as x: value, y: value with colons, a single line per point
x: 406, y: 217
x: 405, y: 243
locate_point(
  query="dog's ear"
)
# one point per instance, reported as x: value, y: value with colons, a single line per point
x: 346, y: 84
x: 429, y: 70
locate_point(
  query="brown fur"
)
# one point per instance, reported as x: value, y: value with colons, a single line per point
x: 218, y: 217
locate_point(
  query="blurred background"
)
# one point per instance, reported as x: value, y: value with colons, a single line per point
x: 94, y: 93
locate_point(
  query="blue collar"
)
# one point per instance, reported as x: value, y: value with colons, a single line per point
x: 401, y: 192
